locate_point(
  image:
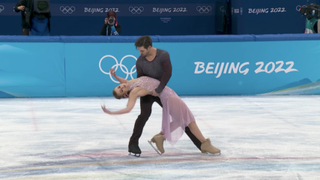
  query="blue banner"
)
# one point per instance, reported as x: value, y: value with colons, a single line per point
x: 267, y: 17
x: 202, y: 65
x: 250, y: 68
x: 121, y: 9
x: 32, y: 70
x: 167, y: 18
x: 202, y: 68
x: 88, y: 65
x: 153, y: 18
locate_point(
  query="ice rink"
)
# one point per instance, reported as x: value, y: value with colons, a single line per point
x: 260, y: 137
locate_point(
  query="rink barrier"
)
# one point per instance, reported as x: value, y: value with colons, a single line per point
x: 78, y: 66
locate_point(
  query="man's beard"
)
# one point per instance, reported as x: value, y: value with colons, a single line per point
x: 147, y: 53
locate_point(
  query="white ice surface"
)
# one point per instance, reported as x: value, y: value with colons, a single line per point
x: 260, y: 137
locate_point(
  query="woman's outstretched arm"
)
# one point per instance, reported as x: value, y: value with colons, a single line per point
x: 134, y: 94
x: 120, y: 79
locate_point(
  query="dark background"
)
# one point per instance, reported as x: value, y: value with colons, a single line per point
x: 224, y: 17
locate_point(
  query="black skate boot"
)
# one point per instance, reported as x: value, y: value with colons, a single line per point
x: 134, y: 150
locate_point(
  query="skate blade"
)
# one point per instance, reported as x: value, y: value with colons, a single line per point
x: 150, y: 142
x: 210, y: 154
x: 134, y: 154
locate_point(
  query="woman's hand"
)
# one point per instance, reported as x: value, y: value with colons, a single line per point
x: 113, y: 72
x: 105, y: 110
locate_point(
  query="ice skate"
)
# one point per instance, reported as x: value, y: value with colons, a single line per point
x: 158, y: 139
x: 154, y: 147
x: 134, y: 150
x: 206, y: 147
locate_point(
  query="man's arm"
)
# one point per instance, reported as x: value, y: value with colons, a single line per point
x: 167, y: 72
x: 139, y: 69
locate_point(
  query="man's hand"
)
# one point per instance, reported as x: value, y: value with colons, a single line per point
x: 106, y: 20
x: 154, y: 93
x: 21, y: 8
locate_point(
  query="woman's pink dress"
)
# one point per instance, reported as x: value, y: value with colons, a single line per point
x: 175, y: 113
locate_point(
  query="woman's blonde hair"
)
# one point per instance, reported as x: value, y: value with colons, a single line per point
x: 117, y: 96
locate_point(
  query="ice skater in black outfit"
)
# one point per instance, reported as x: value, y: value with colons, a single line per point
x: 154, y: 63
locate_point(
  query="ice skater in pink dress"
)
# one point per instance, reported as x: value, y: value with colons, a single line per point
x: 175, y: 114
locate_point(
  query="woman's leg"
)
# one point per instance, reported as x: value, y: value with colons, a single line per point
x: 158, y: 139
x: 196, y: 131
x: 206, y: 146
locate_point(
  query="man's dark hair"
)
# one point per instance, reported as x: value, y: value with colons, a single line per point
x: 143, y: 41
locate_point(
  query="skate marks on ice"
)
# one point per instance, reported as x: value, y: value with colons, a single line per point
x: 106, y: 160
x: 95, y: 161
x: 117, y: 165
x: 70, y: 138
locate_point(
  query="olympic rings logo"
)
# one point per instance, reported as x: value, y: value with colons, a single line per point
x: 1, y: 8
x: 298, y: 7
x: 67, y: 9
x: 204, y: 9
x: 136, y: 9
x: 123, y: 68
